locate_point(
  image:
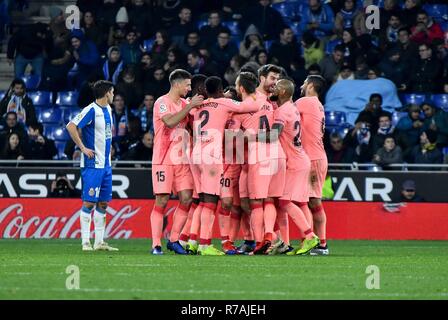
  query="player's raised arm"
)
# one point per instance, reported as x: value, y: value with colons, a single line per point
x: 172, y: 120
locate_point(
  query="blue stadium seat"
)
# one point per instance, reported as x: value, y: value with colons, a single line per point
x: 268, y: 44
x: 31, y: 81
x: 342, y: 129
x: 201, y: 23
x: 50, y: 115
x: 445, y: 151
x: 70, y: 113
x: 414, y: 98
x: 437, y: 11
x: 49, y: 130
x: 286, y: 9
x: 440, y: 101
x: 2, y: 95
x: 148, y: 43
x: 233, y: 27
x: 295, y: 27
x: 61, y: 134
x: 331, y: 45
x: 60, y: 145
x: 334, y: 118
x: 396, y: 116
x: 444, y: 26
x: 41, y: 98
x: 67, y: 98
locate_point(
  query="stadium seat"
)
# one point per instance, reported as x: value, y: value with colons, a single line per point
x: 2, y: 95
x: 342, y: 129
x: 41, y: 98
x: 49, y: 130
x: 233, y: 27
x: 444, y: 26
x: 70, y: 113
x: 445, y: 151
x: 67, y: 98
x: 286, y: 9
x: 437, y: 11
x: 201, y: 23
x: 334, y: 118
x: 50, y: 115
x: 60, y: 145
x: 61, y: 134
x: 396, y: 116
x: 295, y: 27
x: 414, y: 98
x: 147, y: 44
x: 440, y: 101
x: 331, y: 45
x: 268, y: 44
x: 31, y: 81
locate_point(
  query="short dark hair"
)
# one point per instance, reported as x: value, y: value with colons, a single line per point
x: 179, y: 75
x: 339, y: 48
x: 101, y: 87
x: 318, y: 83
x: 18, y: 81
x: 384, y: 114
x: 264, y: 70
x: 376, y: 95
x: 389, y: 136
x: 11, y: 112
x: 422, y: 12
x: 404, y: 29
x: 223, y: 30
x: 248, y: 81
x: 37, y: 126
x: 213, y: 85
x: 197, y: 83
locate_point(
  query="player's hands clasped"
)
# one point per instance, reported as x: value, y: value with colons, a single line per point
x: 196, y: 101
x: 88, y: 152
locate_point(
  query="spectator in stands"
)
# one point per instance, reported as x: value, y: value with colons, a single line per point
x: 362, y: 69
x: 133, y: 136
x: 390, y: 153
x: 130, y: 88
x: 28, y: 46
x: 349, y: 17
x: 58, y: 28
x: 120, y: 117
x: 436, y: 120
x: 360, y: 139
x: 426, y: 30
x: 160, y: 48
x: 427, y: 151
x: 373, y: 111
x: 318, y: 18
x: 71, y: 150
x: 312, y: 49
x: 233, y: 70
x: 211, y: 31
x: 198, y: 64
x: 61, y: 187
x: 409, y: 193
x: 191, y: 43
x: 117, y: 32
x: 180, y: 29
x: 409, y: 129
x: 85, y: 56
x: 393, y: 68
x: 92, y: 31
x: 86, y: 95
x: 141, y: 150
x: 425, y: 74
x: 113, y: 66
x: 373, y: 73
x: 130, y: 49
x: 145, y: 113
x: 350, y: 46
x: 261, y: 57
x: 408, y: 49
x: 409, y: 12
x: 390, y: 8
x: 11, y: 125
x: 39, y: 147
x: 346, y: 72
x: 12, y: 149
x: 89, y: 5
x: 389, y: 35
x: 160, y: 84
x: 338, y: 152
x: 17, y: 101
x: 283, y: 51
x: 314, y: 69
x: 223, y: 51
x: 106, y: 16
x: 385, y: 129
x: 252, y: 43
x: 145, y: 70
x: 174, y: 60
x: 268, y: 21
x: 140, y: 14
x: 331, y: 63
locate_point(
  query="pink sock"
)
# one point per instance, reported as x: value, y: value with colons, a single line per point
x: 224, y: 223
x: 270, y: 215
x: 306, y: 211
x: 208, y: 210
x: 320, y: 223
x: 245, y: 226
x: 179, y: 219
x: 282, y: 220
x: 257, y: 221
x: 157, y: 225
x: 187, y: 226
x: 298, y: 217
x: 234, y: 225
x: 196, y: 223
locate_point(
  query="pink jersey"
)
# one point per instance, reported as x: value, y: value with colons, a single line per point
x: 165, y: 139
x: 210, y: 120
x: 313, y: 126
x: 290, y: 138
x: 262, y: 119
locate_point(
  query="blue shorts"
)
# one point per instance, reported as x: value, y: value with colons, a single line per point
x: 96, y: 184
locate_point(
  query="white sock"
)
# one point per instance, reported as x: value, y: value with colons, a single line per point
x: 99, y: 220
x: 193, y: 242
x: 85, y: 220
x: 183, y: 243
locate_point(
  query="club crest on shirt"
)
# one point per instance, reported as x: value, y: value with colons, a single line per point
x: 91, y: 192
x: 163, y: 108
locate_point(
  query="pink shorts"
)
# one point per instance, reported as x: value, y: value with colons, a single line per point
x: 207, y: 178
x: 266, y: 179
x: 318, y: 174
x: 167, y: 179
x: 230, y: 180
x: 297, y: 184
x: 243, y: 192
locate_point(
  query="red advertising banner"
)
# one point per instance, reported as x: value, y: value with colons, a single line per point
x: 59, y: 218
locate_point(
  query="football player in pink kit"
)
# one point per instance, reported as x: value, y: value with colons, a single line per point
x: 287, y: 122
x: 170, y: 169
x: 207, y: 157
x: 313, y: 124
x: 266, y: 165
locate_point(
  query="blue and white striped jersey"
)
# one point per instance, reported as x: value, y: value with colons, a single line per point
x: 96, y: 124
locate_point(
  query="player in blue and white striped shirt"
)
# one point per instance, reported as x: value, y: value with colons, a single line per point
x: 96, y: 123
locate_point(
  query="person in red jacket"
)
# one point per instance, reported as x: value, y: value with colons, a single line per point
x: 426, y: 30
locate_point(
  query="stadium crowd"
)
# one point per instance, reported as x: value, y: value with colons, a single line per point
x: 136, y: 44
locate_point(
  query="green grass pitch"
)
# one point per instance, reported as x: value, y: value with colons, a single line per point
x: 36, y: 269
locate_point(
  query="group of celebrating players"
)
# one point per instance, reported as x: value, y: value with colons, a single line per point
x: 275, y: 168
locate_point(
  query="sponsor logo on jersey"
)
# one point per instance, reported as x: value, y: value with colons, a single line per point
x: 163, y: 108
